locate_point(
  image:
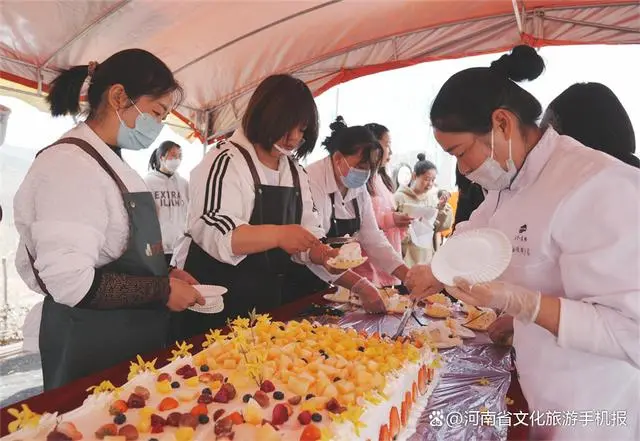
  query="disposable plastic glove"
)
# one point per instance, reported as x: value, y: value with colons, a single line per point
x: 522, y: 303
x: 370, y: 296
x: 421, y: 282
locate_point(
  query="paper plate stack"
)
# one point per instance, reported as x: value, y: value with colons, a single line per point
x: 213, y: 297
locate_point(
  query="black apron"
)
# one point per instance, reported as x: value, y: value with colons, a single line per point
x: 76, y: 342
x: 300, y: 280
x: 257, y: 281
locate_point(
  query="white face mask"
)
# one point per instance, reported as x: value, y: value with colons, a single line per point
x: 490, y: 175
x: 171, y: 164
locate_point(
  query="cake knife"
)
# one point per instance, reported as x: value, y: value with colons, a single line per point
x: 404, y: 320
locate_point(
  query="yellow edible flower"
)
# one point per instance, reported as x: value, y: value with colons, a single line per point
x: 241, y: 323
x: 141, y: 366
x: 484, y: 381
x: 23, y: 418
x: 105, y: 386
x: 183, y: 351
x: 213, y: 336
x: 263, y: 320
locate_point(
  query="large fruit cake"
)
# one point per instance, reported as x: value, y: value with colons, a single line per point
x: 264, y: 381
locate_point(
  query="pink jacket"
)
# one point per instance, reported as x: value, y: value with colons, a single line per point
x: 384, y: 206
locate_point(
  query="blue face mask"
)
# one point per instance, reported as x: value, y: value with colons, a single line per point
x: 142, y: 135
x: 355, y: 177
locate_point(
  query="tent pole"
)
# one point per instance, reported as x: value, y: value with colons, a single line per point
x: 205, y: 133
x: 517, y: 14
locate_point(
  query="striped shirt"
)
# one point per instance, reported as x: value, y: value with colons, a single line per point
x: 222, y: 195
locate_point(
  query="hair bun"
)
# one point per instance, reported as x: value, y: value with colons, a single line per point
x: 522, y: 63
x: 422, y: 157
x: 338, y: 124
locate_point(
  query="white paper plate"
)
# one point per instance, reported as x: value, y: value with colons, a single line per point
x: 478, y: 256
x: 416, y: 210
x: 345, y: 265
x: 213, y: 305
x: 210, y: 290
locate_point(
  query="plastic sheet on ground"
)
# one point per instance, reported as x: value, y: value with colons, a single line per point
x: 476, y: 378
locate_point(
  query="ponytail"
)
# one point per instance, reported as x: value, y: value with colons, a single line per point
x: 154, y: 160
x: 64, y: 93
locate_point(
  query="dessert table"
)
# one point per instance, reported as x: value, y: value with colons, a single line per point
x: 477, y: 377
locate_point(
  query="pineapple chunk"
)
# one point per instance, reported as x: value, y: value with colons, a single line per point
x: 329, y: 370
x: 378, y: 380
x: 306, y: 354
x: 345, y: 387
x: 364, y: 378
x: 230, y: 363
x: 314, y: 404
x: 330, y: 391
x: 215, y: 350
x: 348, y: 399
x: 285, y: 376
x: 253, y: 413
x: 289, y: 349
x: 372, y: 366
x: 341, y: 363
x: 299, y: 386
x: 274, y: 353
x: 285, y: 362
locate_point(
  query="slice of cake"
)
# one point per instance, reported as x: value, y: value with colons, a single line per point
x: 349, y: 256
x: 264, y: 381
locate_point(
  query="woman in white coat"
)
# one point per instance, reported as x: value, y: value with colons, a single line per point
x: 170, y: 191
x: 572, y: 215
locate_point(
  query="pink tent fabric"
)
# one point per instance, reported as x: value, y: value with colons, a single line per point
x: 220, y: 50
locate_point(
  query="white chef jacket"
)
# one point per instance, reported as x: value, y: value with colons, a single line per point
x: 70, y: 214
x: 222, y: 196
x: 373, y: 241
x: 171, y: 195
x: 573, y: 217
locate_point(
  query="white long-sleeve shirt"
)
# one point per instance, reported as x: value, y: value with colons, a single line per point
x: 171, y: 194
x: 70, y: 214
x: 373, y: 241
x: 573, y: 217
x: 222, y: 196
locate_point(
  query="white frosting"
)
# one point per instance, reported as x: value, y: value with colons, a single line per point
x: 349, y: 251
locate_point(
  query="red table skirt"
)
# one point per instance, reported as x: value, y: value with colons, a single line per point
x: 72, y: 395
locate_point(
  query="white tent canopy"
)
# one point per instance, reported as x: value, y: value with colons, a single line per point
x: 220, y: 50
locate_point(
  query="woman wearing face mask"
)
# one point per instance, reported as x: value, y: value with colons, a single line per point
x: 251, y: 210
x: 171, y: 193
x: 339, y: 188
x: 89, y: 234
x: 572, y: 283
x: 421, y: 192
x: 393, y: 223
